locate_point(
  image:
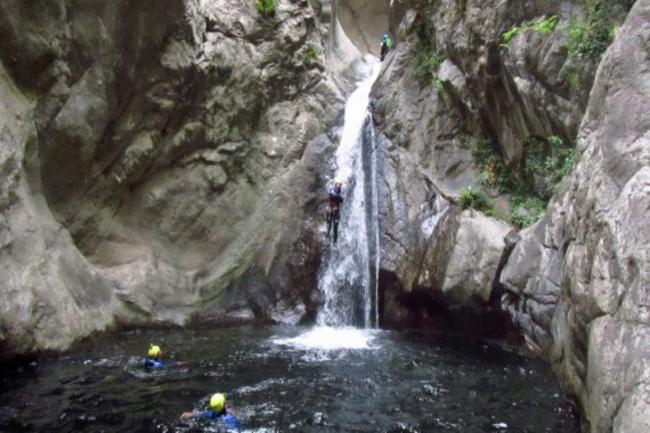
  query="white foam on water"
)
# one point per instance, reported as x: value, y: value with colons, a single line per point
x: 327, y: 338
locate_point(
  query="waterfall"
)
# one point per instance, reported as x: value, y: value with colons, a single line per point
x: 348, y: 276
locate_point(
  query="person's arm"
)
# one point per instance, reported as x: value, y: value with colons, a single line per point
x: 186, y: 416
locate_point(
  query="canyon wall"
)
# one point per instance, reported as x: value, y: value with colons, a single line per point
x: 579, y: 280
x: 160, y: 160
x: 575, y: 284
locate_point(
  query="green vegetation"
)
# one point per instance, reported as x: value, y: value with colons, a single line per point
x: 590, y: 38
x: 428, y: 60
x: 572, y: 77
x: 544, y: 26
x: 428, y: 56
x: 444, y: 90
x: 546, y: 162
x: 493, y: 172
x: 525, y: 210
x: 267, y: 7
x: 471, y: 198
x: 311, y: 53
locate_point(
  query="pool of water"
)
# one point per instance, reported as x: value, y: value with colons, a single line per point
x: 284, y: 379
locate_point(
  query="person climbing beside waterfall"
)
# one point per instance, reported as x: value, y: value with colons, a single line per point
x: 333, y: 209
x: 217, y: 412
x: 386, y: 44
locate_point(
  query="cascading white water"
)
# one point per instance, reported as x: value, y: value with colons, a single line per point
x: 348, y: 277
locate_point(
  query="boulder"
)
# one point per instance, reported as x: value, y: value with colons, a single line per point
x: 474, y: 258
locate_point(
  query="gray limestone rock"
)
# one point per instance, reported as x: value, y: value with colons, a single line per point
x: 428, y: 118
x: 581, y: 275
x: 364, y: 21
x: 474, y: 258
x: 160, y: 160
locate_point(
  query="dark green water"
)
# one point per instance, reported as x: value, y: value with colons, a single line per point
x: 403, y: 383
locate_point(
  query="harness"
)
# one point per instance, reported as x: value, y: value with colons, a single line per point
x: 335, y: 201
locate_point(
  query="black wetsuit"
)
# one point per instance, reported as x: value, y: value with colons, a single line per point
x: 384, y: 50
x: 333, y: 212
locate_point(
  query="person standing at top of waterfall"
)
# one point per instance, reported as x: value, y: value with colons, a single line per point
x: 334, y: 209
x: 386, y: 44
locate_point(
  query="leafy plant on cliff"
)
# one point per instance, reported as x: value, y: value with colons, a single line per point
x: 493, y: 172
x: 428, y: 59
x: 545, y: 26
x: 546, y: 162
x: 590, y: 38
x: 525, y: 210
x: 311, y: 53
x: 267, y: 7
x: 572, y: 77
x: 428, y: 56
x: 474, y: 198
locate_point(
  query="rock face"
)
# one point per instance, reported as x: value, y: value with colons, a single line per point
x: 576, y: 283
x: 580, y: 279
x: 449, y: 82
x: 365, y: 22
x: 159, y: 159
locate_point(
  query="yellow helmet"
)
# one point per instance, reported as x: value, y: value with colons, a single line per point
x: 218, y: 402
x: 154, y: 352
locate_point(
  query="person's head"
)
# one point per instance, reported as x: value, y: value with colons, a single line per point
x: 218, y: 402
x: 385, y: 37
x: 337, y: 185
x: 154, y: 352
